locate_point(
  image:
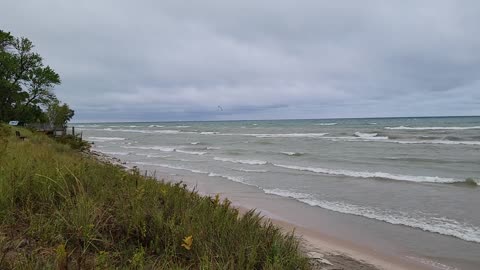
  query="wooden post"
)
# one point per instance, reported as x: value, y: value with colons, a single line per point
x: 73, y: 131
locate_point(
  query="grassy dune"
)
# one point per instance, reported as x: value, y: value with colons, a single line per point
x: 63, y: 210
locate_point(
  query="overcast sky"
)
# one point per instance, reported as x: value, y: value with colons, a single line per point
x: 271, y: 59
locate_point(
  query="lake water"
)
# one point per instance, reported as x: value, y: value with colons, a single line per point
x: 418, y: 174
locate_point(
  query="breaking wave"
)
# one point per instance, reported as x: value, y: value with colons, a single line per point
x: 373, y: 136
x: 164, y: 149
x: 246, y: 170
x: 325, y: 124
x: 420, y: 220
x: 432, y: 128
x: 170, y: 167
x: 104, y: 139
x: 381, y: 175
x: 246, y: 161
x: 190, y: 152
x: 295, y: 154
x: 231, y: 178
x: 288, y: 135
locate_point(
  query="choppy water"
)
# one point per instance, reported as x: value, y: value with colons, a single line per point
x: 417, y: 172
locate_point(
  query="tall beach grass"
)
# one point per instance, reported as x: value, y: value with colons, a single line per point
x: 61, y: 209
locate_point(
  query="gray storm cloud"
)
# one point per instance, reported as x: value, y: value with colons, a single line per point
x: 179, y: 60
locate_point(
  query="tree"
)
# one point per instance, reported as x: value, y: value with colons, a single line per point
x: 59, y: 115
x: 26, y: 85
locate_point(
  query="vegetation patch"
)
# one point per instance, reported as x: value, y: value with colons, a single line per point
x: 60, y: 209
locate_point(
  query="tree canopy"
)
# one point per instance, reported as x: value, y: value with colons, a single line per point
x: 26, y: 84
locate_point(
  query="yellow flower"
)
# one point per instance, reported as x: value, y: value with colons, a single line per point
x: 187, y: 242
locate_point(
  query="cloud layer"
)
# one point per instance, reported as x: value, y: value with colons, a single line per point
x: 179, y: 60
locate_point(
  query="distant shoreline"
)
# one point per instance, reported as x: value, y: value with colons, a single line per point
x: 287, y: 119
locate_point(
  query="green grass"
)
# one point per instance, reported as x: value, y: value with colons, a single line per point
x: 62, y: 210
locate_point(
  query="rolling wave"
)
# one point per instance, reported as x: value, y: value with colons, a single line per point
x: 165, y: 149
x: 169, y: 167
x: 190, y: 152
x: 325, y: 124
x: 382, y: 175
x: 372, y: 136
x: 231, y: 178
x: 287, y: 135
x: 113, y: 153
x: 294, y: 154
x: 420, y: 220
x: 432, y: 128
x: 104, y: 139
x: 246, y: 170
x: 387, y: 140
x: 246, y: 161
x: 159, y: 148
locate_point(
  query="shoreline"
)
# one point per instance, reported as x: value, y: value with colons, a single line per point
x: 326, y: 252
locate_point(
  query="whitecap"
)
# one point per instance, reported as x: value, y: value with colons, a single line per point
x: 292, y: 153
x: 159, y: 148
x: 190, y: 152
x: 112, y: 152
x: 373, y: 136
x: 247, y: 161
x: 286, y: 135
x: 104, y: 139
x: 325, y: 124
x: 170, y: 167
x: 432, y: 128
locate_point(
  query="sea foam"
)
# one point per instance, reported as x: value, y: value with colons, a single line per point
x: 170, y: 167
x: 371, y: 136
x: 433, y: 128
x: 325, y: 124
x: 245, y: 161
x: 295, y: 154
x: 420, y: 220
x: 382, y: 175
x: 104, y: 139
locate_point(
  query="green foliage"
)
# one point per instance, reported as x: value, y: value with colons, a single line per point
x: 71, y: 211
x: 59, y: 115
x: 26, y: 85
x: 74, y: 142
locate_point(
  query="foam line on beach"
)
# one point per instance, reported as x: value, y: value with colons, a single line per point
x: 419, y: 220
x: 381, y: 175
